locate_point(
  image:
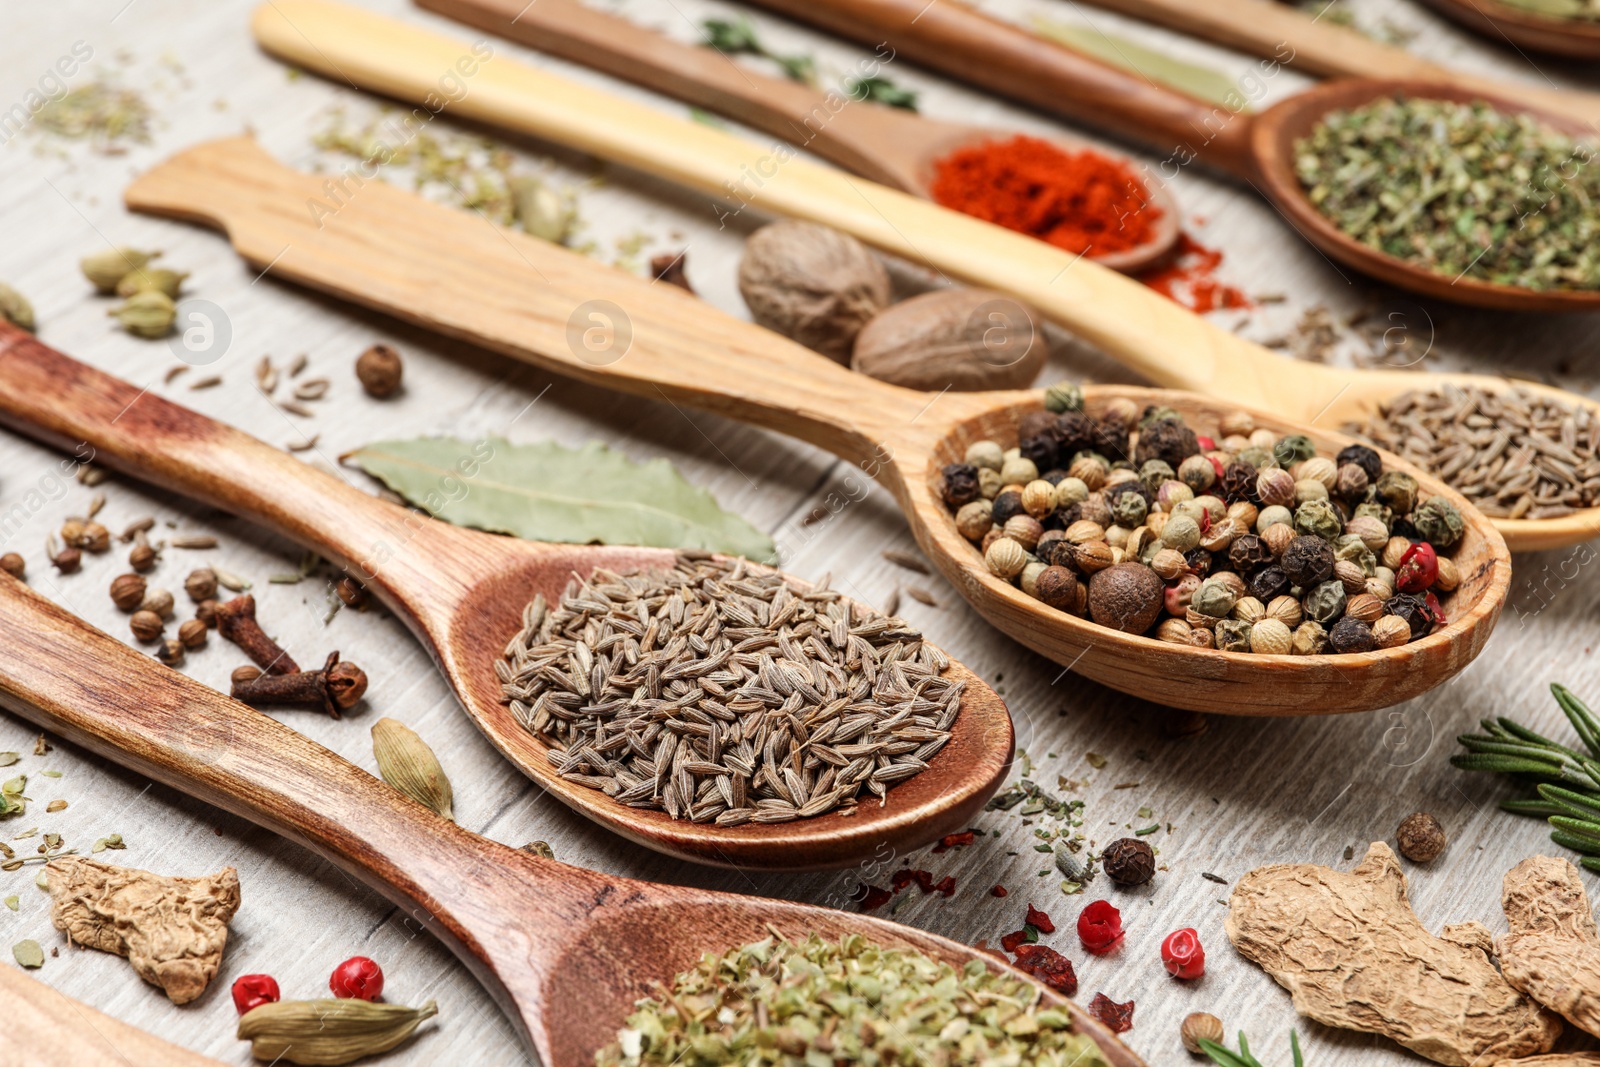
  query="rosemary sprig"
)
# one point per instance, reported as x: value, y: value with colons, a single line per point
x: 1224, y: 1057
x: 734, y: 37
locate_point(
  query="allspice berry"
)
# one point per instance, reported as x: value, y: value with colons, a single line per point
x: 14, y: 565
x: 141, y: 557
x: 201, y: 584
x: 1126, y: 597
x: 146, y: 625
x: 127, y: 592
x: 1129, y: 861
x: 1421, y: 838
x: 192, y: 633
x: 1198, y: 1025
x: 380, y: 370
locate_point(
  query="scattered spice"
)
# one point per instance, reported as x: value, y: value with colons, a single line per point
x: 127, y: 592
x: 955, y: 338
x: 1082, y: 201
x: 1047, y: 965
x: 357, y: 977
x: 380, y: 371
x: 1117, y: 1017
x: 406, y: 762
x: 1198, y: 1026
x: 743, y: 697
x: 328, y: 1031
x: 877, y: 89
x: 1183, y: 955
x: 734, y: 37
x: 335, y: 688
x: 998, y: 891
x: 1420, y: 838
x: 1100, y: 927
x: 813, y: 284
x: 1460, y: 189
x: 173, y: 930
x: 236, y: 622
x: 253, y: 990
x: 15, y: 308
x: 1129, y: 861
x: 28, y: 954
x: 99, y: 112
x: 149, y: 313
x: 1188, y: 276
x: 146, y: 625
x: 14, y: 565
x: 12, y: 800
x: 670, y: 267
x: 958, y: 840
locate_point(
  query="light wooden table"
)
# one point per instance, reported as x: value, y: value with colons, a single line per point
x: 1244, y: 793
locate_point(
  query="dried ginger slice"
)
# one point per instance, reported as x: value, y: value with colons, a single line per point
x: 1552, y: 953
x: 1555, y: 1059
x: 172, y: 930
x: 1353, y: 954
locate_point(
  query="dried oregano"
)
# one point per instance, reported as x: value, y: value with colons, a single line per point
x: 851, y: 1001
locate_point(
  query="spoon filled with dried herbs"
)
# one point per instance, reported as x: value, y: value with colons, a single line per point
x: 517, y: 295
x: 1559, y: 27
x: 1149, y: 333
x: 706, y: 707
x: 573, y: 957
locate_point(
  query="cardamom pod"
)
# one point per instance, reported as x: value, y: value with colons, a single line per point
x: 147, y: 314
x: 540, y: 210
x: 157, y: 278
x: 327, y: 1032
x: 406, y: 762
x: 15, y: 309
x: 105, y: 269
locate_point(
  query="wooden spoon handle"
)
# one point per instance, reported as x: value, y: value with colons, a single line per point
x: 45, y: 1028
x: 1006, y: 59
x: 94, y: 416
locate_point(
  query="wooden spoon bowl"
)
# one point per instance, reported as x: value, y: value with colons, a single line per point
x: 462, y: 593
x: 1504, y: 23
x: 565, y: 951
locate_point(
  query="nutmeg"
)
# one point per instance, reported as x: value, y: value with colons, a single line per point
x: 813, y: 284
x: 958, y: 339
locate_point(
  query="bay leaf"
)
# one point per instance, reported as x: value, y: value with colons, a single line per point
x: 1191, y: 79
x: 548, y: 492
x: 28, y: 953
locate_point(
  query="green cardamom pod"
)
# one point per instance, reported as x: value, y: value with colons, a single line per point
x: 15, y: 309
x: 327, y: 1032
x: 157, y: 278
x: 105, y: 269
x: 540, y: 210
x: 406, y: 762
x: 148, y: 314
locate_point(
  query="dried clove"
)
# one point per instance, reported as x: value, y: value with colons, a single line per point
x: 236, y: 622
x: 669, y: 267
x: 337, y: 686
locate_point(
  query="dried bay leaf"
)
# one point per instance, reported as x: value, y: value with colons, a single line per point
x: 548, y: 492
x: 28, y: 953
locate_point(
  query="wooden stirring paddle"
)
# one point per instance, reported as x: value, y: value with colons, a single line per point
x: 450, y: 271
x: 1148, y: 333
x: 462, y: 593
x: 1258, y: 148
x: 891, y: 146
x: 565, y: 951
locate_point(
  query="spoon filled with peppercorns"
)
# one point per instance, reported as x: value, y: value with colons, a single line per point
x: 1159, y: 542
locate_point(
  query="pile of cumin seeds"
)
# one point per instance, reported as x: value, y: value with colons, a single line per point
x: 719, y: 692
x: 1515, y: 454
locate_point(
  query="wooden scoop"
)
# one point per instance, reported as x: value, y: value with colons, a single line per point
x: 1147, y: 332
x: 565, y: 951
x: 891, y: 146
x: 454, y: 273
x: 462, y: 593
x: 1506, y: 24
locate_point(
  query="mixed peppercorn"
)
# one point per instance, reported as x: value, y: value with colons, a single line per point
x: 1249, y: 542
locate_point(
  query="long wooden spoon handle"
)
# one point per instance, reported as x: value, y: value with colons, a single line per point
x: 1007, y: 59
x: 1147, y: 332
x: 45, y: 1028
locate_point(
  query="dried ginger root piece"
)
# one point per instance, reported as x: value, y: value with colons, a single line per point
x: 1353, y: 954
x: 172, y: 930
x: 1555, y: 1059
x: 1552, y: 953
x: 1470, y: 934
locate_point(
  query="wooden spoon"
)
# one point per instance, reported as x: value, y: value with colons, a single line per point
x: 891, y: 146
x: 1259, y: 148
x: 565, y: 951
x: 1520, y: 28
x: 1148, y: 333
x: 462, y: 593
x: 45, y: 1028
x: 1312, y: 45
x: 451, y: 272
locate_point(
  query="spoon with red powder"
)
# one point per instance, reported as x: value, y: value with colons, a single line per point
x: 1060, y: 189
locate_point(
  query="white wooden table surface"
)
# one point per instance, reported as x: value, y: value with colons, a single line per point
x: 1246, y: 792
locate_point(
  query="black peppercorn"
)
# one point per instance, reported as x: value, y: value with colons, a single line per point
x: 1350, y: 634
x: 1006, y: 506
x: 1308, y: 560
x: 1075, y: 432
x: 1055, y: 476
x: 1413, y: 608
x: 1129, y: 861
x: 1053, y: 549
x: 1041, y: 449
x: 1249, y: 552
x: 1268, y: 583
x: 1199, y: 561
x: 960, y: 484
x: 1037, y: 424
x: 1239, y: 483
x: 1363, y: 457
x: 1166, y: 439
x: 1111, y: 437
x: 1112, y: 492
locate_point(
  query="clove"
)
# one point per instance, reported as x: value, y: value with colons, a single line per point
x: 236, y: 622
x: 337, y: 686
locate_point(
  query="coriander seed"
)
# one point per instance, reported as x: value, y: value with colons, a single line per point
x: 141, y: 557
x: 127, y: 592
x: 1198, y: 1026
x: 158, y: 601
x: 170, y: 652
x: 146, y: 625
x: 206, y: 612
x: 247, y: 673
x: 14, y: 565
x: 201, y: 584
x: 192, y: 633
x: 67, y: 561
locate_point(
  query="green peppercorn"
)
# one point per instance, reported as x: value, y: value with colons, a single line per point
x: 1214, y: 598
x: 1155, y: 472
x: 1129, y: 509
x: 1350, y: 547
x: 1396, y: 490
x: 1063, y: 396
x: 1233, y: 635
x: 1438, y: 521
x: 1325, y: 602
x: 1319, y: 518
x: 1294, y: 448
x: 1259, y: 458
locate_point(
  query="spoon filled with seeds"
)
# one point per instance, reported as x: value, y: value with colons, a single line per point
x: 706, y: 707
x: 518, y: 295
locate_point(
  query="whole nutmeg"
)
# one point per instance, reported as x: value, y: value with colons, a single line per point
x: 201, y: 584
x: 1198, y: 1026
x: 1275, y: 486
x: 1391, y: 631
x: 170, y: 652
x: 206, y: 612
x: 127, y: 591
x: 141, y: 557
x: 813, y: 284
x: 146, y: 625
x: 1005, y: 558
x: 974, y: 519
x: 192, y: 633
x: 1059, y: 588
x: 1350, y: 635
x: 14, y: 565
x: 1420, y: 837
x: 1129, y: 861
x: 379, y: 370
x: 1169, y: 563
x: 1126, y: 597
x: 959, y: 339
x: 247, y: 673
x: 1024, y: 530
x: 1270, y: 637
x: 158, y: 601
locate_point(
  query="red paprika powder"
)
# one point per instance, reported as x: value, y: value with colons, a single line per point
x: 1083, y: 202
